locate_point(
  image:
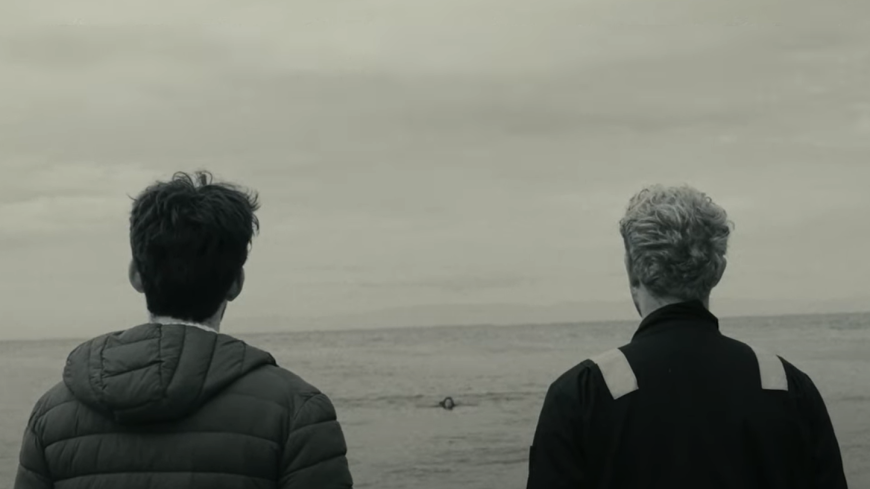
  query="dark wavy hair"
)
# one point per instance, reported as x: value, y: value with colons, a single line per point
x: 190, y: 238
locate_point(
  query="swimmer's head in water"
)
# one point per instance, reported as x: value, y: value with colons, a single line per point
x: 448, y: 403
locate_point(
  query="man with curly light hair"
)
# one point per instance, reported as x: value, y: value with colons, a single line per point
x: 675, y: 244
x: 682, y: 405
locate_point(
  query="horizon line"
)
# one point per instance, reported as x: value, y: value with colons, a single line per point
x: 444, y: 326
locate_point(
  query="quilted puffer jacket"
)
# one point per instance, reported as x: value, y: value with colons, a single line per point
x: 173, y: 406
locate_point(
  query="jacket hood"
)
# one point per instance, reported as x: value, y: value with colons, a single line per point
x: 153, y: 372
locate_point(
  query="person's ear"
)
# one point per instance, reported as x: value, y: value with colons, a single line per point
x: 135, y: 278
x: 236, y: 288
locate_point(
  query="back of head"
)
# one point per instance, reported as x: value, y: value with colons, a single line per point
x: 190, y: 239
x: 676, y: 239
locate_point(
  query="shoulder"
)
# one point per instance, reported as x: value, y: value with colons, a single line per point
x: 277, y: 385
x: 610, y: 369
x: 54, y: 398
x: 777, y: 373
x: 792, y: 371
x: 305, y: 403
x: 573, y: 378
x: 799, y: 383
x: 288, y: 380
x: 607, y: 375
x: 57, y: 403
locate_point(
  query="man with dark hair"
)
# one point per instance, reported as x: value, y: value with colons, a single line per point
x: 174, y: 403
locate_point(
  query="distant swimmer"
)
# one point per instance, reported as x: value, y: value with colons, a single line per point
x: 447, y: 403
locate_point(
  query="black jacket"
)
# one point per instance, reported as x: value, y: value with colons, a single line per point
x: 683, y: 406
x: 165, y: 407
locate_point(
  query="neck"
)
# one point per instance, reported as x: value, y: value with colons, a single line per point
x: 212, y: 323
x: 647, y: 303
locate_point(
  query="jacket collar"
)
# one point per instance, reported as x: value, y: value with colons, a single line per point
x: 681, y: 314
x: 165, y: 321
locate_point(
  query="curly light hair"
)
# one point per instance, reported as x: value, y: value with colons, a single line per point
x: 676, y: 239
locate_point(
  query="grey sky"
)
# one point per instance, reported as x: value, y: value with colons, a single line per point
x: 426, y: 162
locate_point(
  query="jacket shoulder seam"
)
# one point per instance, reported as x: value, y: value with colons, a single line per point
x: 40, y: 416
x: 304, y: 404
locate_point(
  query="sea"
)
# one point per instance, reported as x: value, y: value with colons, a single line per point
x: 386, y: 386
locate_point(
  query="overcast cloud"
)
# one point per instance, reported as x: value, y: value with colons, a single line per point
x: 427, y: 162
